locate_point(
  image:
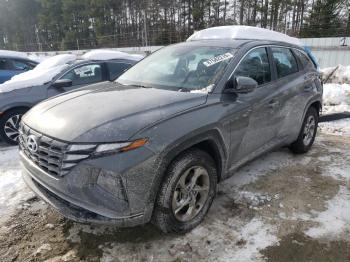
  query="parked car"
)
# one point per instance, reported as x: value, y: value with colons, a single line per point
x: 13, y: 63
x: 51, y: 79
x: 153, y: 145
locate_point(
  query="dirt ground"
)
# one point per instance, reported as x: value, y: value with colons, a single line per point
x: 280, y: 207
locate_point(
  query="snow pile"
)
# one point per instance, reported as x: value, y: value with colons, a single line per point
x: 12, y: 54
x: 204, y: 90
x: 242, y: 32
x: 41, y: 74
x: 340, y: 76
x: 336, y: 98
x: 258, y: 235
x: 37, y: 58
x: 12, y: 187
x: 55, y: 61
x: 105, y: 54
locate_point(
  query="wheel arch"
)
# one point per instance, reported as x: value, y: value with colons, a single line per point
x: 15, y: 107
x: 211, y: 142
x: 317, y: 105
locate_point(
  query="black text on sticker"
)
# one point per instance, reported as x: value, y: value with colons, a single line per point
x: 217, y: 59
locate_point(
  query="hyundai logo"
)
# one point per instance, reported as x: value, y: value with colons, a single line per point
x: 32, y: 145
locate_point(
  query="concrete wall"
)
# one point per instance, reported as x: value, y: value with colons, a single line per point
x: 330, y: 51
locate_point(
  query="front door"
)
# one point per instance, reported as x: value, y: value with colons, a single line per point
x: 263, y: 104
x: 80, y: 76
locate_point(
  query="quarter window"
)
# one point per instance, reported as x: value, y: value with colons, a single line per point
x: 255, y: 65
x: 304, y: 60
x: 22, y: 65
x: 84, y: 75
x: 285, y: 61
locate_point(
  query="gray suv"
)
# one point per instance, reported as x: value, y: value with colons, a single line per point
x: 153, y: 145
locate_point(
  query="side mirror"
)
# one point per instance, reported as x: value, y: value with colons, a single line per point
x: 244, y: 84
x: 241, y: 84
x: 62, y: 83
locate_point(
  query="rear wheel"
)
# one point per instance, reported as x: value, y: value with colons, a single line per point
x: 186, y: 193
x: 9, y: 124
x: 307, y: 134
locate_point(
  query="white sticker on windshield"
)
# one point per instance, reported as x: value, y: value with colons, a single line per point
x: 217, y: 59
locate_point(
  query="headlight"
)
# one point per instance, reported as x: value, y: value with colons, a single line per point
x: 81, y: 151
x: 110, y: 147
x: 120, y: 147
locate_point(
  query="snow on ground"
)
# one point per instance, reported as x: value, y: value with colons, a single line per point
x: 265, y: 201
x: 13, y: 190
x: 335, y: 221
x: 105, y: 54
x: 337, y: 127
x: 40, y: 75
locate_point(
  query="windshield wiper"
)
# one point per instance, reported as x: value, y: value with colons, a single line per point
x: 142, y: 86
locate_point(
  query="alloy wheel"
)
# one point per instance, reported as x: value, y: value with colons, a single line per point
x: 191, y: 193
x: 309, y: 130
x: 11, y: 127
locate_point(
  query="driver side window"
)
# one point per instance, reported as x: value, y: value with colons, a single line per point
x: 255, y: 65
x: 84, y: 75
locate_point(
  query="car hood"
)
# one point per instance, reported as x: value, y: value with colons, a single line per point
x: 107, y: 112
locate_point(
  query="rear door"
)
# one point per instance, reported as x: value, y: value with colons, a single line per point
x: 263, y: 103
x: 295, y: 84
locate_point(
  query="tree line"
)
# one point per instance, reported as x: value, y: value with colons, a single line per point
x: 32, y: 25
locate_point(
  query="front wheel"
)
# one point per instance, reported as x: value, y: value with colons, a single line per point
x: 307, y: 134
x: 9, y: 124
x: 186, y: 193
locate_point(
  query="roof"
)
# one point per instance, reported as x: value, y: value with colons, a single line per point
x: 235, y: 43
x: 242, y: 32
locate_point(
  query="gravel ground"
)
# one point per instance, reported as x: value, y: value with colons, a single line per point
x: 280, y: 207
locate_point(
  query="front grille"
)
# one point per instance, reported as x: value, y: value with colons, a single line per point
x: 51, y: 155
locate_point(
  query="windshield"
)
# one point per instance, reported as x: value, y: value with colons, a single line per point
x: 180, y: 67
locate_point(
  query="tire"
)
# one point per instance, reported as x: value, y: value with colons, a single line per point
x: 192, y: 165
x: 9, y: 123
x: 307, y: 133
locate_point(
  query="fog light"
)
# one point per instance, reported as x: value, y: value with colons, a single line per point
x: 112, y: 183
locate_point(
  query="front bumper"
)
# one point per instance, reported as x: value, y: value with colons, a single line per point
x: 77, y: 195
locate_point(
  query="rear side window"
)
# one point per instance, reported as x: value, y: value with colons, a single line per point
x: 285, y: 61
x: 22, y: 65
x: 116, y: 69
x: 255, y: 65
x: 84, y: 75
x: 304, y: 60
